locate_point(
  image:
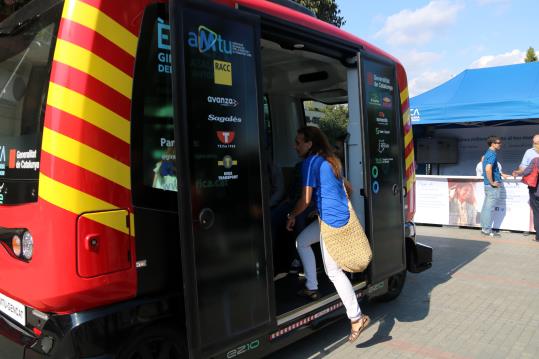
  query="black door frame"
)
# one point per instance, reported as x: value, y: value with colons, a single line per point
x: 375, y: 275
x: 186, y: 219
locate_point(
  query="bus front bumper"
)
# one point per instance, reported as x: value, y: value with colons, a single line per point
x: 14, y: 343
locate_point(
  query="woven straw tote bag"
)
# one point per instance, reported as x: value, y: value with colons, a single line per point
x: 348, y: 245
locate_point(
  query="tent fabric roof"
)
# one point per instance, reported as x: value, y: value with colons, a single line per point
x: 478, y: 95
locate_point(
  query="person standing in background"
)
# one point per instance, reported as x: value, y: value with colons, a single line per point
x: 492, y: 179
x: 529, y: 155
x: 479, y: 168
x: 534, y: 194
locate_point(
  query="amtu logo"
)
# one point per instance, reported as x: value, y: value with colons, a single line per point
x: 207, y: 40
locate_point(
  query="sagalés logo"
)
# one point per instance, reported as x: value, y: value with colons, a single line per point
x: 226, y: 137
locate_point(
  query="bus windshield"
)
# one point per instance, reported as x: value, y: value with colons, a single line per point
x: 25, y: 62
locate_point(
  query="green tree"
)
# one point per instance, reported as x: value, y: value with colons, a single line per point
x: 334, y: 121
x: 530, y: 55
x: 326, y: 10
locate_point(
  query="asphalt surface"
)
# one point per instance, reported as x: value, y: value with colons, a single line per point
x: 480, y: 299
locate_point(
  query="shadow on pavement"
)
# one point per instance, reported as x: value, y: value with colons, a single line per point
x: 449, y: 255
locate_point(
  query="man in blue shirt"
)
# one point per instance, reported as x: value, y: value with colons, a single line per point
x: 492, y: 179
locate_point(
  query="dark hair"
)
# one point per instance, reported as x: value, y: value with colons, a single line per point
x: 492, y: 139
x: 321, y: 146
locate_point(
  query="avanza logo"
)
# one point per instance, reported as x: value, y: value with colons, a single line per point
x: 206, y: 39
x: 223, y: 101
x: 226, y: 137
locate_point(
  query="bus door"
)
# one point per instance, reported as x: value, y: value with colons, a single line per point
x: 226, y: 254
x: 383, y: 166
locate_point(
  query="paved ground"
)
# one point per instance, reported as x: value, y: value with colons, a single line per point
x: 479, y: 300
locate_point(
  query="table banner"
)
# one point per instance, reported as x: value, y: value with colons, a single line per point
x: 457, y: 200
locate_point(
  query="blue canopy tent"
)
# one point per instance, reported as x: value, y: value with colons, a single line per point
x: 479, y: 95
x: 454, y: 119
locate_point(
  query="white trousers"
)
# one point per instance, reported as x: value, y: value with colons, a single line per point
x: 310, y: 235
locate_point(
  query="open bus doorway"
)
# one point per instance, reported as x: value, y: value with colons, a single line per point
x: 227, y: 131
x: 292, y: 76
x: 155, y: 195
x: 289, y: 78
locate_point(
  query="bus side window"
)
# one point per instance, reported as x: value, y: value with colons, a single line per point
x: 153, y: 144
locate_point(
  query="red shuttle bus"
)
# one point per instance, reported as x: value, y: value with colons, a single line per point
x: 135, y: 138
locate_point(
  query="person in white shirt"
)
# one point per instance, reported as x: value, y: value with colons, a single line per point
x: 479, y: 168
x: 529, y: 155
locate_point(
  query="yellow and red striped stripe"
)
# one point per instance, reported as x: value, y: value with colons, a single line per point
x: 408, y: 139
x: 85, y: 148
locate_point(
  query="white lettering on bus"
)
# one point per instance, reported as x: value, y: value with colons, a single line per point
x: 166, y: 143
x: 27, y: 165
x: 222, y: 119
x: 223, y: 101
x: 8, y: 307
x: 27, y: 154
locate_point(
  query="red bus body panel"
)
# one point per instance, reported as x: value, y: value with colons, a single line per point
x: 85, y: 159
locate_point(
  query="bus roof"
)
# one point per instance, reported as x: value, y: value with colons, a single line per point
x: 280, y: 11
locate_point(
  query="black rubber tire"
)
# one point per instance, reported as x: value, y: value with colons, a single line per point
x: 395, y: 284
x: 154, y: 343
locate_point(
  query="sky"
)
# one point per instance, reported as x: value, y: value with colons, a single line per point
x: 438, y: 39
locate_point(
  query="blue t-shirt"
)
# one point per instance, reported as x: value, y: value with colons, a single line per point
x: 490, y: 159
x: 329, y: 192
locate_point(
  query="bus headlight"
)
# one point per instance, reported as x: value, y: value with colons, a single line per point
x: 27, y: 245
x: 16, y: 245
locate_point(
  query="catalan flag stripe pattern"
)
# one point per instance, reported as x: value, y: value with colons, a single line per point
x: 89, y: 98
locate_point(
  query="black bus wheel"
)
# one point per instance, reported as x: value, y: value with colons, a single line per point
x: 395, y: 284
x: 154, y: 343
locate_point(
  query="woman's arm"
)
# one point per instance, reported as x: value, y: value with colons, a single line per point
x: 301, y: 205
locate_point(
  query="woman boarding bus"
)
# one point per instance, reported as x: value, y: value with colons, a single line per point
x: 134, y: 211
x: 323, y: 179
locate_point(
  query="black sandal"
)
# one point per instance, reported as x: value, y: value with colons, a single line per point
x: 311, y: 294
x: 354, y: 334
